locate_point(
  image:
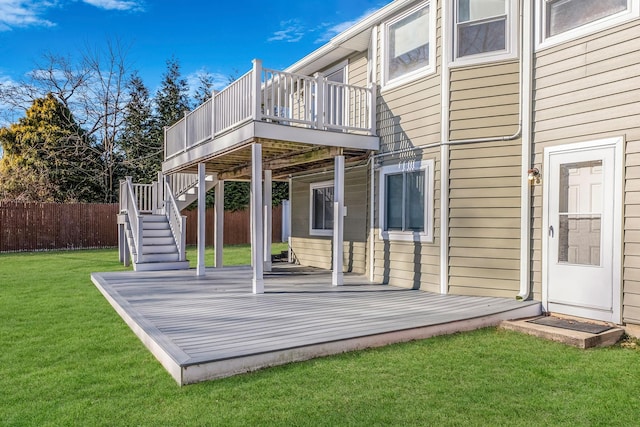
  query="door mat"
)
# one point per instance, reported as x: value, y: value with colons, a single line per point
x: 573, y: 325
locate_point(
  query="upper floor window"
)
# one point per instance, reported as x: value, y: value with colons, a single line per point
x: 562, y: 20
x: 483, y: 29
x: 408, y: 47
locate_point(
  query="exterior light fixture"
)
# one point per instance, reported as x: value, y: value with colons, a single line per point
x: 534, y: 176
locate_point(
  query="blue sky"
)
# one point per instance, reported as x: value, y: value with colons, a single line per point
x: 219, y: 37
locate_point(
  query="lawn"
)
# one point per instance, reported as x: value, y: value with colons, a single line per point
x: 68, y: 359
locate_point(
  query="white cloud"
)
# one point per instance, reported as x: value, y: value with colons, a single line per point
x: 220, y: 81
x: 115, y: 4
x: 23, y: 13
x: 290, y: 31
x: 8, y: 113
x: 331, y: 31
x: 30, y: 13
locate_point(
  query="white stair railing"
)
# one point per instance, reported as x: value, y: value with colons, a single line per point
x: 182, y: 183
x: 177, y: 222
x: 129, y: 204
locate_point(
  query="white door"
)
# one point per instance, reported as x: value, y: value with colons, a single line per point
x: 582, y: 227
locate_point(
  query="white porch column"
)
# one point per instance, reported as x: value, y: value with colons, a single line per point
x: 337, y: 278
x: 257, y: 236
x: 202, y: 202
x: 219, y: 223
x: 268, y: 228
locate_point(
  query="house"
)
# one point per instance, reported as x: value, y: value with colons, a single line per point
x: 473, y: 147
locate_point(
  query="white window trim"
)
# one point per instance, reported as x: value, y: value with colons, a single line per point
x: 632, y: 12
x: 511, y: 38
x: 410, y: 236
x: 414, y: 75
x: 315, y: 231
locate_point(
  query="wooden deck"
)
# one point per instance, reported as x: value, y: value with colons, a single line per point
x: 213, y: 326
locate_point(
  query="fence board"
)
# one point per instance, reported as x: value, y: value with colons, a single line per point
x: 28, y: 226
x: 48, y: 226
x: 236, y: 226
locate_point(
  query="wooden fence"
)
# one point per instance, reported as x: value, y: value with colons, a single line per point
x: 49, y: 226
x: 237, y: 228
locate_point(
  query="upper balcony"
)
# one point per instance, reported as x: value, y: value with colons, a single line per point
x: 302, y: 122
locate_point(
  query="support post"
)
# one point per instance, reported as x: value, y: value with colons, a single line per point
x: 202, y: 202
x: 320, y: 99
x: 268, y: 212
x: 257, y: 90
x: 219, y: 223
x: 337, y: 278
x: 257, y: 235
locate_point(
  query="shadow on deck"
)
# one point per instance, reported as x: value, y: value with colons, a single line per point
x: 213, y: 326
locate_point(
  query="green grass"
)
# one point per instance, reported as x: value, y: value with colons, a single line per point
x: 68, y: 359
x: 232, y: 255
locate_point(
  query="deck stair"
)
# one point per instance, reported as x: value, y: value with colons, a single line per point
x: 151, y: 228
x: 159, y: 249
x: 185, y: 187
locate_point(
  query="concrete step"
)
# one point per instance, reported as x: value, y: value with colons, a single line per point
x: 161, y: 266
x: 566, y: 336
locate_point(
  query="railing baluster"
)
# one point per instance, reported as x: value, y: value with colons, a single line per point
x: 286, y: 98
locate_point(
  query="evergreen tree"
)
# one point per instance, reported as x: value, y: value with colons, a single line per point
x: 141, y: 139
x: 48, y: 157
x: 205, y: 87
x: 172, y: 99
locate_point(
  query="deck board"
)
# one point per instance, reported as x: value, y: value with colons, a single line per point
x: 213, y: 326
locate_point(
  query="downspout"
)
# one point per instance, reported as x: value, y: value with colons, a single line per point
x: 373, y: 73
x: 444, y: 153
x: 526, y: 76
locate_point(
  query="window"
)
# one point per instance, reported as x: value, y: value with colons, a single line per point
x: 406, y: 201
x: 407, y: 52
x: 321, y: 221
x: 483, y: 29
x: 562, y: 20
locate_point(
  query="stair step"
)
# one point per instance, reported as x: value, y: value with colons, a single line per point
x: 154, y: 218
x: 157, y: 232
x: 159, y: 257
x: 161, y: 266
x: 156, y: 225
x: 158, y: 240
x: 158, y: 249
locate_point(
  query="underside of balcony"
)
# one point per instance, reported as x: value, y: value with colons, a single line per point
x: 286, y: 150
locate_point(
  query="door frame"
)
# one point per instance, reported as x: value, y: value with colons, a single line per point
x: 617, y: 143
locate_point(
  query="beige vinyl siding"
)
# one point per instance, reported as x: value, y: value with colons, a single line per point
x: 408, y: 116
x: 357, y: 69
x: 589, y: 89
x: 316, y: 251
x: 484, y: 219
x: 414, y: 265
x: 484, y: 181
x: 484, y: 101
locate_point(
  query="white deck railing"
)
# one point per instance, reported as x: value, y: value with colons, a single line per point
x: 287, y: 99
x: 177, y: 222
x: 129, y: 204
